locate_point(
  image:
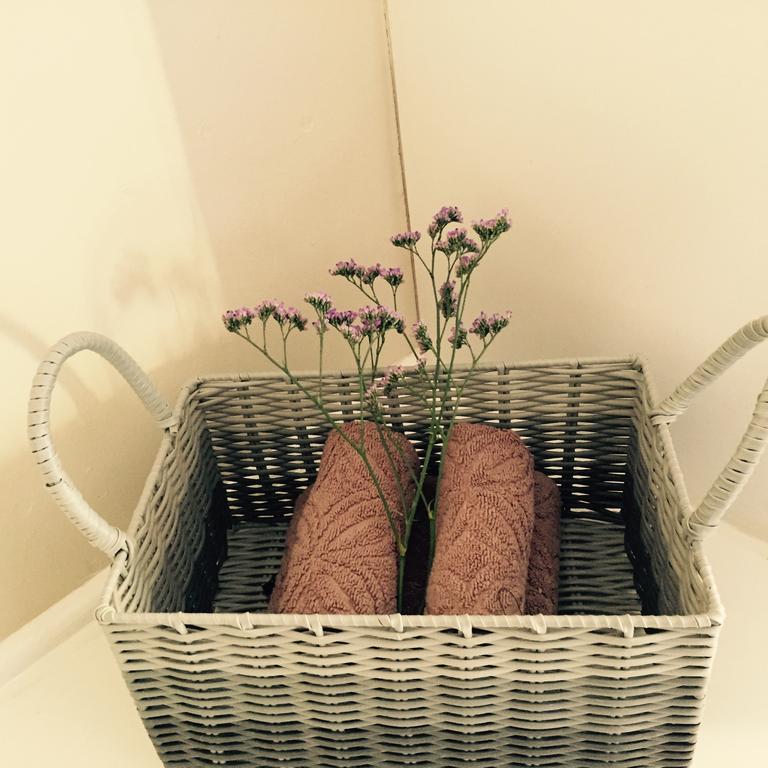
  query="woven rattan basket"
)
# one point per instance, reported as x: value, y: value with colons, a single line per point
x: 616, y: 678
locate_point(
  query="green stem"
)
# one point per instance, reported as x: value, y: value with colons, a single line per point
x: 360, y: 288
x: 461, y: 303
x: 415, y: 251
x: 459, y: 394
x: 360, y: 452
x: 418, y: 480
x: 320, y: 366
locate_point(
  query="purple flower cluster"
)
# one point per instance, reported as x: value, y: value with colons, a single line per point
x: 456, y: 241
x: 267, y: 308
x: 370, y: 274
x: 235, y: 319
x: 380, y: 319
x: 405, y: 239
x: 467, y: 263
x: 366, y: 275
x: 372, y: 321
x: 421, y: 334
x: 490, y: 229
x: 489, y: 325
x: 393, y: 275
x: 447, y: 299
x: 290, y: 317
x: 319, y: 300
x: 457, y: 338
x: 385, y: 384
x: 340, y: 318
x: 352, y: 333
x: 348, y: 269
x: 444, y: 216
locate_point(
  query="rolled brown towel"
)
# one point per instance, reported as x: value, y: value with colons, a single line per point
x: 340, y: 555
x: 544, y: 563
x: 484, y: 524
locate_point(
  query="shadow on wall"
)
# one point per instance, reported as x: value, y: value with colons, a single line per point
x: 108, y: 450
x: 299, y: 167
x: 38, y: 347
x: 284, y: 176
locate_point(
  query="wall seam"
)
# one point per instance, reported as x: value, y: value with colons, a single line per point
x: 400, y: 152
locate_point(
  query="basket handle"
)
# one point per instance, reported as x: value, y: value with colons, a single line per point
x: 734, y: 476
x: 106, y: 537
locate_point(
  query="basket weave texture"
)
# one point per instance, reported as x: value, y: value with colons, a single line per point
x: 616, y: 678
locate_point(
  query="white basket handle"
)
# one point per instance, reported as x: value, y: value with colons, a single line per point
x: 736, y: 473
x: 101, y: 534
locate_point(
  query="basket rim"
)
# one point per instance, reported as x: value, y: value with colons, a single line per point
x: 568, y: 364
x: 625, y: 624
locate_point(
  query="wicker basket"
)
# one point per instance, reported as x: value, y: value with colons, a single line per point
x: 616, y: 678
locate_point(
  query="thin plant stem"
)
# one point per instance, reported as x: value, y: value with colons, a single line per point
x: 334, y: 425
x: 320, y: 365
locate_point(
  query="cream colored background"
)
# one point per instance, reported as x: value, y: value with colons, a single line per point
x: 630, y: 143
x: 163, y: 160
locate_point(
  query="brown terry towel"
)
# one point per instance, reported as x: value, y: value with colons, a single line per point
x: 340, y: 555
x: 415, y: 577
x: 484, y: 524
x: 544, y: 563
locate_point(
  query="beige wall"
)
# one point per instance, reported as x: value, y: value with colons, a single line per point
x: 161, y: 162
x: 629, y: 142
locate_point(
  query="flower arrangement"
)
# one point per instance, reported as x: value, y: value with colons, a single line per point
x: 450, y: 265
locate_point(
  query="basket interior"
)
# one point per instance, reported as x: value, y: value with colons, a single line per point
x: 211, y: 535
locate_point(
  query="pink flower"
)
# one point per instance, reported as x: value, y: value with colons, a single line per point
x: 235, y: 319
x: 291, y: 317
x: 466, y: 264
x: 445, y: 215
x: 490, y: 229
x: 489, y: 325
x: 380, y: 319
x: 385, y: 384
x: 405, y: 239
x: 267, y: 308
x: 319, y: 301
x: 352, y: 333
x: 348, y: 269
x: 340, y: 317
x: 447, y: 298
x: 370, y: 274
x: 393, y: 275
x: 457, y: 337
x: 457, y: 242
x: 421, y: 335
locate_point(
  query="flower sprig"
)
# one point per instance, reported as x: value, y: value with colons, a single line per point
x: 364, y: 278
x: 451, y: 262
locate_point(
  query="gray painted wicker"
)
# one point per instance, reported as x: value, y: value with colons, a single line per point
x: 617, y: 678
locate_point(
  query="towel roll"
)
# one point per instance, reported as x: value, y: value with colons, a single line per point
x: 484, y: 524
x: 340, y: 555
x: 544, y: 563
